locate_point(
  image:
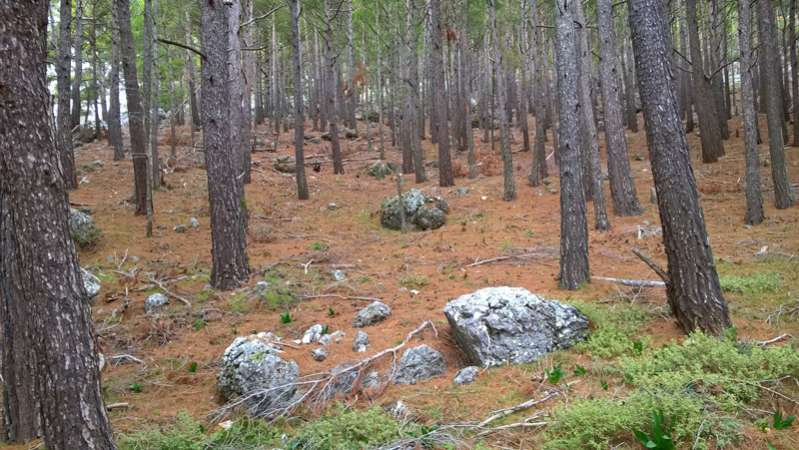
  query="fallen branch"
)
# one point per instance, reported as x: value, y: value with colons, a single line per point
x: 526, y: 423
x: 120, y: 358
x: 631, y: 283
x: 342, y: 297
x: 113, y: 406
x: 168, y: 292
x: 480, y: 262
x: 653, y: 265
x: 500, y: 413
x: 774, y: 340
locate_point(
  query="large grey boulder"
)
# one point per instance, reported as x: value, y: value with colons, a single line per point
x: 371, y: 314
x: 419, y: 363
x: 82, y: 228
x: 502, y: 325
x: 252, y: 366
x: 421, y: 211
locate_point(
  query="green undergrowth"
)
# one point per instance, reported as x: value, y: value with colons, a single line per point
x: 340, y: 429
x: 614, y: 330
x: 701, y: 385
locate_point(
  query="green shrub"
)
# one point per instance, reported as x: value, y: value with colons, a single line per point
x: 350, y: 430
x: 414, y: 281
x: 613, y: 330
x: 188, y: 434
x: 758, y: 283
x: 702, y: 382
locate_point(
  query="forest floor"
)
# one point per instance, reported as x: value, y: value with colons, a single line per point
x: 297, y: 244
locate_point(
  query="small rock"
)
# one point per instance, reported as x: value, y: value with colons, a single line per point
x: 332, y: 206
x: 285, y: 164
x: 313, y: 334
x: 361, y: 342
x: 467, y: 375
x: 194, y: 223
x: 180, y: 228
x: 371, y: 314
x: 328, y: 339
x: 261, y: 287
x: 319, y: 354
x: 763, y: 252
x: 399, y: 410
x: 155, y: 302
x: 430, y: 218
x: 462, y: 191
x: 338, y: 275
x: 371, y: 380
x: 647, y: 231
x: 419, y: 363
x: 91, y: 283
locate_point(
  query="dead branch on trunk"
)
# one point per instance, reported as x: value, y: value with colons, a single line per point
x: 652, y: 265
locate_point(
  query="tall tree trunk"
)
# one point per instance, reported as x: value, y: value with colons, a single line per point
x: 509, y: 187
x: 77, y: 79
x: 754, y: 198
x: 414, y: 109
x: 135, y: 111
x: 114, y: 121
x: 783, y: 196
x: 794, y: 72
x: 63, y: 117
x: 220, y: 109
x: 299, y: 115
x: 437, y: 28
x: 195, y: 113
x: 331, y: 87
x: 591, y: 149
x: 710, y: 133
x: 622, y: 187
x: 686, y: 87
x: 631, y: 108
x: 51, y: 358
x: 538, y: 169
x: 693, y: 289
x: 573, y: 225
x: 248, y: 69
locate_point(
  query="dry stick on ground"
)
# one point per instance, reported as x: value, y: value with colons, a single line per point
x: 342, y: 297
x: 631, y: 283
x: 168, y: 292
x: 498, y: 414
x: 774, y: 340
x: 319, y: 390
x: 125, y: 357
x: 480, y: 262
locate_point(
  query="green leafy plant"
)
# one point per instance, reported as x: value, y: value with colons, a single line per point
x: 781, y: 423
x: 554, y: 375
x: 660, y: 436
x: 319, y: 246
x: 135, y: 387
x: 193, y: 367
x: 580, y: 370
x: 286, y: 318
x: 330, y: 312
x: 198, y: 324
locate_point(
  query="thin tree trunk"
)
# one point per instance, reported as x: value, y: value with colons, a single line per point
x: 538, y: 169
x: 794, y: 72
x: 591, y: 150
x: 710, y: 133
x: 693, y: 289
x: 63, y: 117
x: 299, y: 116
x: 135, y: 112
x: 114, y: 121
x: 195, y: 113
x: 77, y: 79
x: 509, y: 187
x: 331, y: 89
x: 573, y: 225
x: 754, y: 198
x: 783, y: 197
x: 51, y: 359
x: 220, y: 109
x: 437, y: 30
x: 622, y: 187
